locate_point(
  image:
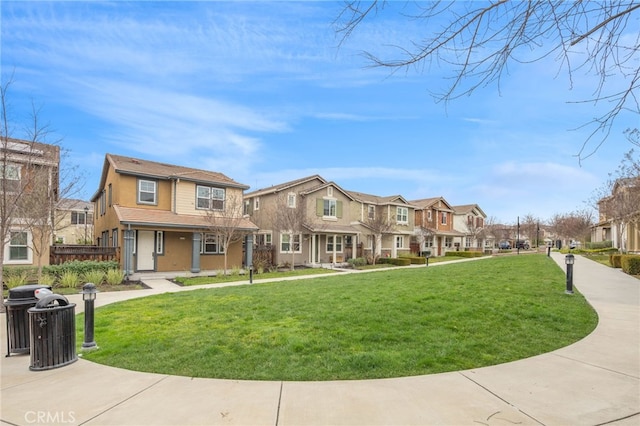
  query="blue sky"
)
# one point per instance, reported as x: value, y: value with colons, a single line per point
x: 263, y: 93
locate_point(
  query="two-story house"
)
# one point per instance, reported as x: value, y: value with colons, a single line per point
x: 165, y: 217
x: 619, y: 216
x: 385, y: 223
x: 74, y: 222
x: 434, y: 226
x: 469, y: 220
x: 307, y: 220
x: 29, y: 187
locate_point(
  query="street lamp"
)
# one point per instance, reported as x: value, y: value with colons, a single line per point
x: 89, y: 292
x: 86, y: 218
x: 569, y: 260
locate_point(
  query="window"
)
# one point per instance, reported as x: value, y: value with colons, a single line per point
x: 110, y: 195
x: 399, y: 241
x: 103, y: 204
x: 428, y: 242
x: 429, y: 216
x: 114, y: 237
x: 209, y: 198
x: 256, y: 203
x: 211, y: 245
x: 291, y: 200
x: 10, y: 174
x: 78, y: 218
x: 246, y: 207
x: 334, y: 242
x: 444, y: 218
x: 448, y: 242
x: 146, y: 192
x: 18, y: 246
x: 263, y: 239
x: 159, y: 242
x: 290, y: 243
x: 371, y: 212
x: 402, y: 214
x: 329, y: 208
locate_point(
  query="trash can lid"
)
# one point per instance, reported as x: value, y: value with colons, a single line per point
x: 25, y: 291
x: 48, y: 301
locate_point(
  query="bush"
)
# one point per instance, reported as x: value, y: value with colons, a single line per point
x: 114, y: 276
x: 94, y: 276
x: 467, y: 253
x: 615, y: 260
x: 80, y: 267
x: 416, y: 260
x: 357, y: 262
x: 69, y: 279
x: 397, y: 261
x: 630, y: 264
x: 600, y: 245
x: 16, y: 279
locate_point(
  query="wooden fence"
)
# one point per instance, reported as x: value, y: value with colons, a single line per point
x: 61, y: 253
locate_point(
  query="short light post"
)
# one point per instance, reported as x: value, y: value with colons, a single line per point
x: 89, y: 292
x: 569, y: 260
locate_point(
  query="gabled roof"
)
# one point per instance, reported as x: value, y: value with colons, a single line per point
x: 284, y: 186
x: 74, y: 204
x: 163, y: 218
x: 325, y: 185
x: 378, y: 200
x: 425, y: 203
x: 468, y: 208
x: 152, y: 169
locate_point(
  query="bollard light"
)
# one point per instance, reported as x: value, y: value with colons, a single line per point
x: 569, y: 260
x: 89, y: 292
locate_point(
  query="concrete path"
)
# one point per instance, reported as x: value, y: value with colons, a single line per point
x: 595, y: 381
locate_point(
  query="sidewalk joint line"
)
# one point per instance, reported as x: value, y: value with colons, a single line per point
x: 595, y: 365
x: 279, y: 401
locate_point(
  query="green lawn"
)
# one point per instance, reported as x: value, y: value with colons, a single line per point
x: 388, y: 323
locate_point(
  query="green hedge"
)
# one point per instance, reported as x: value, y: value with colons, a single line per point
x: 615, y: 260
x: 417, y: 260
x: 466, y: 253
x: 630, y: 264
x: 398, y: 261
x: 78, y: 267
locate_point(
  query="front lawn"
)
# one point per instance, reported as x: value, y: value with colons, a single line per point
x: 388, y: 323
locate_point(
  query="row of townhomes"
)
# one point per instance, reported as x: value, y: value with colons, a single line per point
x: 163, y: 217
x: 619, y: 216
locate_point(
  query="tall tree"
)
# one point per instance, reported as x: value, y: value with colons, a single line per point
x: 379, y: 224
x: 480, y: 40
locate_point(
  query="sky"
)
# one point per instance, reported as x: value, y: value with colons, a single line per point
x: 265, y: 92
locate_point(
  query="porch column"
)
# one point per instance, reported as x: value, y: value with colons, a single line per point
x: 127, y: 252
x: 248, y: 247
x: 195, y: 252
x: 313, y: 249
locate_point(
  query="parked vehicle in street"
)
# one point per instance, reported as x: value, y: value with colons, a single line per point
x: 504, y: 245
x: 522, y: 245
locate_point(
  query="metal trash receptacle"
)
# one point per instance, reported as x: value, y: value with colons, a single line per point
x: 18, y: 302
x: 53, y: 333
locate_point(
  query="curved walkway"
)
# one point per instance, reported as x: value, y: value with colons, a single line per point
x: 595, y: 381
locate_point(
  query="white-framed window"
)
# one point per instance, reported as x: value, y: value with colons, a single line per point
x: 329, y: 208
x: 371, y: 212
x: 210, y: 244
x: 468, y: 242
x: 263, y: 238
x: 290, y: 243
x: 370, y: 241
x: 429, y: 217
x: 448, y: 242
x: 10, y: 174
x: 444, y: 218
x: 246, y: 207
x: 147, y: 192
x: 399, y: 241
x: 428, y: 242
x: 159, y: 242
x: 291, y: 200
x: 18, y: 247
x: 81, y: 218
x: 402, y: 214
x: 334, y: 242
x: 256, y: 203
x: 209, y: 198
x: 114, y: 237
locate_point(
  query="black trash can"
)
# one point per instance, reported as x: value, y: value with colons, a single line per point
x: 18, y: 302
x: 53, y: 333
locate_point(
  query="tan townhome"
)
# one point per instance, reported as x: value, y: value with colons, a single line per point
x: 469, y: 220
x: 434, y: 226
x: 164, y: 217
x: 29, y: 188
x: 74, y: 222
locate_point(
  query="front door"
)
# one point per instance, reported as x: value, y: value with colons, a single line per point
x: 146, y: 244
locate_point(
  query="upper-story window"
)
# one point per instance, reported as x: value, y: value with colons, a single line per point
x: 444, y: 218
x: 429, y: 218
x: 209, y: 198
x: 147, y: 192
x: 256, y: 203
x: 291, y: 200
x: 329, y: 208
x: 81, y: 218
x: 402, y: 215
x: 371, y: 212
x: 10, y: 175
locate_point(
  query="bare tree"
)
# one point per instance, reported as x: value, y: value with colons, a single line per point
x: 227, y: 225
x: 289, y: 216
x: 572, y: 226
x: 379, y: 225
x: 529, y: 226
x: 479, y: 40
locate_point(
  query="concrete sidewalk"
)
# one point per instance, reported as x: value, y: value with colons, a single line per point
x: 595, y: 381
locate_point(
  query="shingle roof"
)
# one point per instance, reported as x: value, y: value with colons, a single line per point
x: 376, y: 199
x: 160, y: 218
x: 285, y: 185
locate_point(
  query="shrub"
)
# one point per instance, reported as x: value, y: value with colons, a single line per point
x: 357, y: 261
x: 47, y: 279
x: 416, y: 260
x: 69, y: 279
x: 397, y: 261
x: 16, y: 279
x: 615, y: 260
x: 114, y: 276
x: 467, y: 253
x: 94, y: 276
x: 630, y: 264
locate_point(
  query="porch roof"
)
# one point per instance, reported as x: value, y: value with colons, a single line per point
x: 331, y: 228
x: 166, y: 219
